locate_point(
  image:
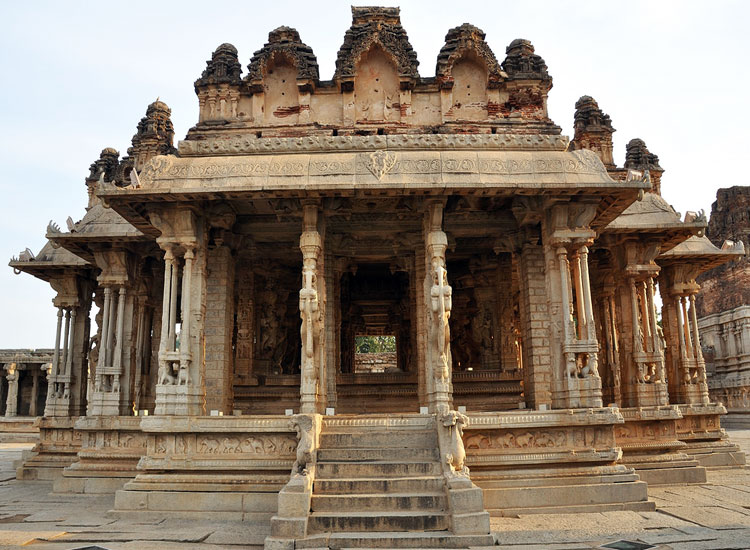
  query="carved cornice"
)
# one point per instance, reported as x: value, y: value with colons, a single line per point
x: 250, y: 144
x: 552, y: 169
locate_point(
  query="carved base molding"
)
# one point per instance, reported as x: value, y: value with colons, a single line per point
x: 19, y: 429
x: 573, y: 392
x: 179, y: 400
x: 111, y: 447
x: 700, y: 429
x: 223, y: 467
x: 104, y: 404
x: 59, y: 443
x: 551, y: 462
x: 651, y: 446
x: 733, y: 392
x: 646, y: 395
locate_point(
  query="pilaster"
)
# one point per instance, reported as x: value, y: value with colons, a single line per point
x: 219, y: 325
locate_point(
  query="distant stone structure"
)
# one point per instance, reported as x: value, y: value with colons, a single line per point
x: 516, y: 270
x: 23, y: 391
x: 724, y: 307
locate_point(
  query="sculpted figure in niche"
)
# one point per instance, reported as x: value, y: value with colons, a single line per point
x: 376, y: 88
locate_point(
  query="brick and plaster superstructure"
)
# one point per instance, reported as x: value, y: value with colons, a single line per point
x: 516, y: 271
x: 724, y: 307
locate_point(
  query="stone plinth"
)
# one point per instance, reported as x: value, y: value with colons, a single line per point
x: 19, y: 429
x: 111, y: 447
x: 651, y: 446
x: 59, y: 443
x: 227, y: 467
x: 700, y: 429
x: 551, y: 462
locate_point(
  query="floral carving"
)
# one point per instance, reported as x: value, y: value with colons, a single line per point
x: 380, y: 163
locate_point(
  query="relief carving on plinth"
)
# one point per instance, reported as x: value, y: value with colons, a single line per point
x: 519, y: 439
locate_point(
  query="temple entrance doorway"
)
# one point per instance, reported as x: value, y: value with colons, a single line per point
x: 376, y: 368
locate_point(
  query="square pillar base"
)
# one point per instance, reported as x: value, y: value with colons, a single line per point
x: 179, y: 400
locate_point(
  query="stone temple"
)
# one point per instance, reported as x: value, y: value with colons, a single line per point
x: 516, y: 271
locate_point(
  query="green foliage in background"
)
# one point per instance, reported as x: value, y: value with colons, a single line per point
x: 374, y: 344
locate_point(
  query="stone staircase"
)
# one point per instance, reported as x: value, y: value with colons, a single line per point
x: 381, y: 485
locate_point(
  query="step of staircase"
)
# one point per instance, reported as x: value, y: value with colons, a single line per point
x: 369, y: 522
x: 413, y: 501
x: 370, y: 470
x: 405, y: 439
x: 368, y: 454
x: 392, y: 485
x: 385, y: 539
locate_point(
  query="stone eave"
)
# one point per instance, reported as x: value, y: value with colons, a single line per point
x: 80, y: 244
x: 551, y: 172
x: 26, y: 355
x: 45, y: 270
x: 670, y: 235
x: 699, y: 252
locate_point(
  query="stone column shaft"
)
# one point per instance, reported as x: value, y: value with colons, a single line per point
x: 11, y: 402
x: 117, y: 360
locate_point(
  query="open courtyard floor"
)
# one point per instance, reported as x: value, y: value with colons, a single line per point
x: 714, y: 515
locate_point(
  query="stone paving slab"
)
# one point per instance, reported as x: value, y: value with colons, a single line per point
x: 711, y: 516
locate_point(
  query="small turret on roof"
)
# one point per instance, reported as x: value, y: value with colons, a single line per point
x: 462, y: 41
x: 379, y: 25
x: 223, y: 68
x: 154, y: 136
x: 287, y: 42
x: 593, y: 130
x: 521, y: 63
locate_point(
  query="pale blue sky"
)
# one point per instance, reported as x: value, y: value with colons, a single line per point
x: 77, y: 77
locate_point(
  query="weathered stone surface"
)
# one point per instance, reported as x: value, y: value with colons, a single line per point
x: 516, y: 273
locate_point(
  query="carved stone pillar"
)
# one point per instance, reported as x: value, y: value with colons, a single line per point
x: 505, y: 327
x: 66, y: 393
x: 574, y: 346
x: 438, y: 298
x: 332, y: 324
x: 312, y: 312
x: 180, y: 388
x: 11, y: 401
x: 685, y: 364
x: 34, y: 391
x: 610, y: 338
x: 113, y: 381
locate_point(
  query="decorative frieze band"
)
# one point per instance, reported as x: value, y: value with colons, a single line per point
x: 250, y: 144
x: 399, y: 169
